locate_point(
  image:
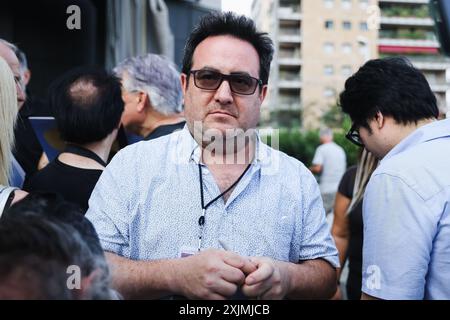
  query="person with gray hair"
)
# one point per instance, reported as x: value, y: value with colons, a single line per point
x: 25, y: 72
x: 27, y: 150
x: 330, y: 162
x: 8, y: 52
x: 151, y: 91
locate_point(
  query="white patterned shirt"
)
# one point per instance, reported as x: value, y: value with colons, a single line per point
x: 146, y: 205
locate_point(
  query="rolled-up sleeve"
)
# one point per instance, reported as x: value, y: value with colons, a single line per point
x: 109, y: 208
x: 313, y: 238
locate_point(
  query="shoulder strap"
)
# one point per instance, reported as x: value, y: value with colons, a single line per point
x: 5, y: 194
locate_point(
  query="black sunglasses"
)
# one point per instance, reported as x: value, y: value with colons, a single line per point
x: 353, y: 136
x: 239, y: 83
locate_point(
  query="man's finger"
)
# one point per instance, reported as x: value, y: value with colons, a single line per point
x: 258, y: 289
x: 225, y: 288
x: 264, y: 272
x: 232, y: 274
x: 249, y: 266
x: 233, y: 259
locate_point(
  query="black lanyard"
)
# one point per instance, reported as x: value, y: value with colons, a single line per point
x: 201, y: 220
x: 80, y: 151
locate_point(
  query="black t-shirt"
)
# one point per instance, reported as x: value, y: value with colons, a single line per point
x: 73, y: 184
x: 354, y: 251
x: 165, y: 130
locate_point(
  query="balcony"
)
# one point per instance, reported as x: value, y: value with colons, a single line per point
x: 290, y: 38
x: 407, y: 33
x: 289, y: 56
x: 295, y: 61
x: 407, y: 21
x: 289, y: 98
x: 289, y: 106
x: 439, y: 87
x: 289, y: 31
x: 404, y: 1
x: 290, y: 74
x: 433, y: 63
x: 289, y: 12
x: 408, y: 41
x: 289, y: 84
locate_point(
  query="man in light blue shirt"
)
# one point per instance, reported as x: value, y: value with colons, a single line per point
x: 202, y: 215
x: 406, y: 210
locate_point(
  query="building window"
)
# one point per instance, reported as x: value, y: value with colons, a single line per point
x: 346, y: 25
x: 363, y: 26
x: 329, y: 24
x: 328, y: 47
x: 363, y: 4
x: 346, y: 71
x: 328, y: 3
x: 328, y: 70
x: 364, y: 49
x: 347, y: 48
x: 346, y: 4
x: 329, y: 93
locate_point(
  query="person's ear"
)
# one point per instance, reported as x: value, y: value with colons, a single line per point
x: 26, y: 77
x: 86, y: 285
x: 263, y: 93
x: 184, y: 83
x: 142, y: 99
x: 380, y: 120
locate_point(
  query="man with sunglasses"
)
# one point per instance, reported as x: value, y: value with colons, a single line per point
x: 211, y: 212
x: 406, y: 210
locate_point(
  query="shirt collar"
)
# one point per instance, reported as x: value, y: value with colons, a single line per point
x: 434, y: 130
x: 188, y: 149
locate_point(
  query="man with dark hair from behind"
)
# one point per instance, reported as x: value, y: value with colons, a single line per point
x: 53, y: 206
x: 406, y: 208
x: 87, y: 106
x: 40, y: 239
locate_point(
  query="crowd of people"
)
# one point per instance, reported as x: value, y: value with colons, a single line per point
x: 201, y: 208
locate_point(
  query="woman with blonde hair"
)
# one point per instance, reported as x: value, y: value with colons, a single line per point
x: 347, y: 227
x: 8, y: 115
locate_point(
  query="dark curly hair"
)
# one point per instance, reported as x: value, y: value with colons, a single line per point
x: 391, y: 86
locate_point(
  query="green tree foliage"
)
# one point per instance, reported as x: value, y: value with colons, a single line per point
x: 302, y: 145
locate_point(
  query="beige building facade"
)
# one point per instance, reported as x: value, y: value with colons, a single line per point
x: 337, y: 40
x: 320, y: 43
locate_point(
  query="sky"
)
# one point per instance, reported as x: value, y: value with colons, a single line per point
x: 239, y: 6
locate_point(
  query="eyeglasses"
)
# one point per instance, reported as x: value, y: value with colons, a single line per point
x: 353, y: 136
x: 239, y: 83
x: 19, y: 82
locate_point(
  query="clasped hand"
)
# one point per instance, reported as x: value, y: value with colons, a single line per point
x: 217, y: 274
